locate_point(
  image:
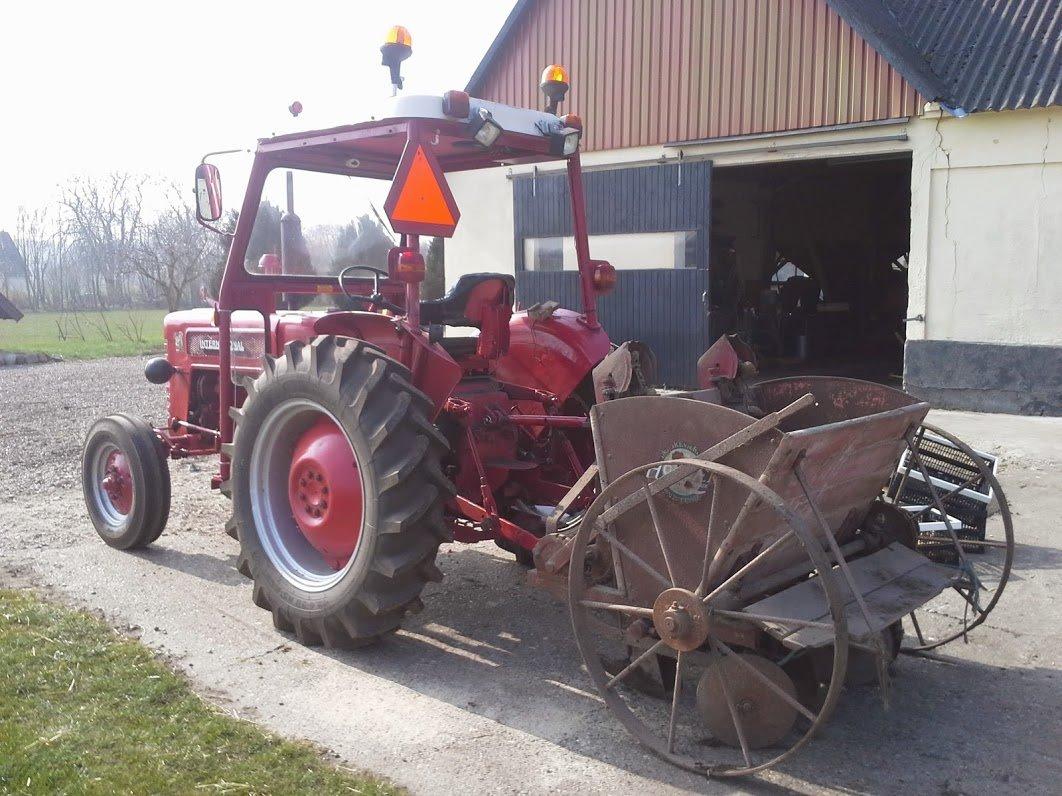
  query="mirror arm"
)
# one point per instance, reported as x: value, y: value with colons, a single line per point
x: 212, y: 228
x: 221, y: 152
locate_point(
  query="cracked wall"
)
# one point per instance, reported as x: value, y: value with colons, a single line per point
x: 986, y: 259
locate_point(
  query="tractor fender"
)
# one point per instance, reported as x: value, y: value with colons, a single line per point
x: 553, y: 354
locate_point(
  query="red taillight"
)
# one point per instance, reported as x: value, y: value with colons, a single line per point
x: 604, y: 277
x: 572, y: 120
x: 410, y: 267
x: 269, y: 263
x: 455, y: 104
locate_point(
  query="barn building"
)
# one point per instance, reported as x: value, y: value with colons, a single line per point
x: 858, y: 187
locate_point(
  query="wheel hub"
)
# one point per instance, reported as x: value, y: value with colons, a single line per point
x: 117, y: 482
x: 324, y: 490
x: 681, y: 619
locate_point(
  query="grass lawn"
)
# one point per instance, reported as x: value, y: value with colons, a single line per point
x: 88, y: 335
x: 84, y: 710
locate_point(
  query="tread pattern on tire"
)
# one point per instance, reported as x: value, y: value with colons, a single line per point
x: 406, y: 452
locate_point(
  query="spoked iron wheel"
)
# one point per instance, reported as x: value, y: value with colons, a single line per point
x: 732, y: 709
x: 982, y: 565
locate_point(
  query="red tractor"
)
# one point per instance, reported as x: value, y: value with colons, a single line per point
x: 358, y: 433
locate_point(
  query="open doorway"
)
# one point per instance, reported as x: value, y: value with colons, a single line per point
x: 809, y: 263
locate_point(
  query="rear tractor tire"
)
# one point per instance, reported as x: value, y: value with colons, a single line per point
x: 126, y: 482
x: 337, y: 491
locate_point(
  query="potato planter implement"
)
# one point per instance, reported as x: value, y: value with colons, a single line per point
x: 719, y: 601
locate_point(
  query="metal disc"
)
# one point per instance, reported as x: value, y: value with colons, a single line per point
x: 765, y: 717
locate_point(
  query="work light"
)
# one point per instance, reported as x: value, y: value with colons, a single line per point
x: 485, y: 131
x: 565, y: 142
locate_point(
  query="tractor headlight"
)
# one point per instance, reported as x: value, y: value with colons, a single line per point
x: 485, y: 131
x: 565, y: 142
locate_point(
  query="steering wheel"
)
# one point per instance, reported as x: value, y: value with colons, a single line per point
x: 376, y: 297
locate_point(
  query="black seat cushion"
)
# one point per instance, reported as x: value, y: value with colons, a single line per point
x: 461, y: 306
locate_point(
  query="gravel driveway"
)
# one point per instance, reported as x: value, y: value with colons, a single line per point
x: 483, y: 692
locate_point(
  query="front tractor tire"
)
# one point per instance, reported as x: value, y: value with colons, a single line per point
x: 337, y: 491
x: 126, y: 482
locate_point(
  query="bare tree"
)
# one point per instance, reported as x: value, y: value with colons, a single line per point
x: 173, y: 253
x: 35, y: 239
x: 105, y: 215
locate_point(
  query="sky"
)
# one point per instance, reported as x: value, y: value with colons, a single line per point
x: 87, y: 88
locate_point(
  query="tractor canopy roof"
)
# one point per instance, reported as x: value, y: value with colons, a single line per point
x: 448, y: 124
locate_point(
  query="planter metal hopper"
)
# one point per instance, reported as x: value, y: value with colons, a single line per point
x: 745, y: 565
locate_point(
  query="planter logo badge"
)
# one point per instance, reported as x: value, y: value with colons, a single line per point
x: 691, y: 488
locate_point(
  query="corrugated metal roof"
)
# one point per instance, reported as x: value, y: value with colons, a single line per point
x: 977, y: 55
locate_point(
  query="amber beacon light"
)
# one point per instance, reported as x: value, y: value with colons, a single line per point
x: 397, y: 47
x: 554, y: 85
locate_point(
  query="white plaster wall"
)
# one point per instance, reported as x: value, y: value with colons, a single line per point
x: 986, y: 234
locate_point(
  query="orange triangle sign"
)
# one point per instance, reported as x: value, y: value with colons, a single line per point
x: 420, y: 202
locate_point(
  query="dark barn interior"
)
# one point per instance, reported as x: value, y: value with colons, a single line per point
x: 809, y: 263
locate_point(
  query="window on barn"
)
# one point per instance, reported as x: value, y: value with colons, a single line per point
x: 629, y: 251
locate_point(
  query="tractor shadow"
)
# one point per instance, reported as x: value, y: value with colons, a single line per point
x: 207, y: 566
x: 490, y: 644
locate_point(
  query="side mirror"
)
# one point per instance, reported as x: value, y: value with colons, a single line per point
x: 207, y: 192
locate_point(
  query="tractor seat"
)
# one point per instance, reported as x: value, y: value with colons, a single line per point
x: 471, y: 300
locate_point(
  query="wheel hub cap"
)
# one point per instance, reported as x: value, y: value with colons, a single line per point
x: 324, y: 490
x: 117, y: 482
x: 681, y: 619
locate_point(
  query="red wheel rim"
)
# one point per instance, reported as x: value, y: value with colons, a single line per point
x: 324, y: 490
x: 117, y: 482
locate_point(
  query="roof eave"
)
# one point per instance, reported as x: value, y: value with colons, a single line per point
x: 496, y: 46
x: 879, y: 29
